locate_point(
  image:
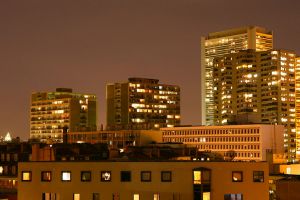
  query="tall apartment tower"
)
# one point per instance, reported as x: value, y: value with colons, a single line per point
x: 257, y: 87
x: 52, y: 113
x: 142, y: 103
x: 219, y: 44
x: 297, y: 106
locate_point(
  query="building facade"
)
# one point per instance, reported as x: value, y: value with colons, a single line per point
x: 143, y: 180
x: 218, y: 44
x: 53, y: 112
x: 246, y: 142
x: 251, y: 86
x: 142, y: 103
x: 297, y: 105
x: 117, y: 138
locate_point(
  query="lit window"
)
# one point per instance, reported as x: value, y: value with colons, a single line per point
x: 237, y: 176
x: 46, y: 176
x: 166, y: 176
x: 50, y: 196
x: 258, y: 176
x: 156, y: 197
x: 233, y: 197
x: 106, y: 176
x: 86, y: 176
x: 145, y: 176
x: 197, y: 177
x: 206, y: 196
x: 1, y: 169
x: 66, y: 176
x: 76, y: 196
x: 125, y: 176
x: 26, y: 176
x: 136, y: 197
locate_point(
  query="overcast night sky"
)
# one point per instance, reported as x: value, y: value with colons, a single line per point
x: 85, y: 44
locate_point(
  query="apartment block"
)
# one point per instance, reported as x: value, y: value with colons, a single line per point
x: 242, y: 142
x: 188, y: 180
x: 142, y: 103
x: 52, y: 113
x: 218, y: 44
x: 251, y: 86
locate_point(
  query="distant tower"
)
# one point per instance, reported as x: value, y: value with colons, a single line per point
x: 142, y: 103
x: 7, y: 137
x: 257, y: 87
x: 52, y: 111
x: 218, y: 44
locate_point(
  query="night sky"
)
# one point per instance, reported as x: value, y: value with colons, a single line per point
x: 85, y: 44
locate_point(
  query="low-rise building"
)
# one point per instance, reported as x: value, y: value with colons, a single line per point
x: 117, y: 138
x: 152, y: 180
x: 243, y: 142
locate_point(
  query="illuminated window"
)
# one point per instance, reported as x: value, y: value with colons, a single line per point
x: 136, y: 197
x: 50, y: 196
x: 86, y: 176
x: 76, y: 196
x: 197, y: 177
x: 237, y: 176
x: 46, y: 176
x: 106, y: 176
x: 125, y: 176
x: 26, y: 176
x: 166, y: 176
x: 233, y: 197
x: 1, y: 169
x: 206, y: 196
x: 66, y: 176
x: 145, y: 176
x: 258, y: 176
x: 156, y: 197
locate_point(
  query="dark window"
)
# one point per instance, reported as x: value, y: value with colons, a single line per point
x: 96, y: 196
x: 145, y: 176
x: 258, y: 176
x: 166, y: 176
x: 46, y: 176
x: 125, y: 176
x: 86, y: 176
x: 105, y: 176
x: 237, y: 176
x: 26, y: 176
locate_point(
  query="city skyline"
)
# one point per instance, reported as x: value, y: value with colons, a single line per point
x: 85, y: 45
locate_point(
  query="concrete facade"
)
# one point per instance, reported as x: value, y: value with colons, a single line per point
x: 162, y: 180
